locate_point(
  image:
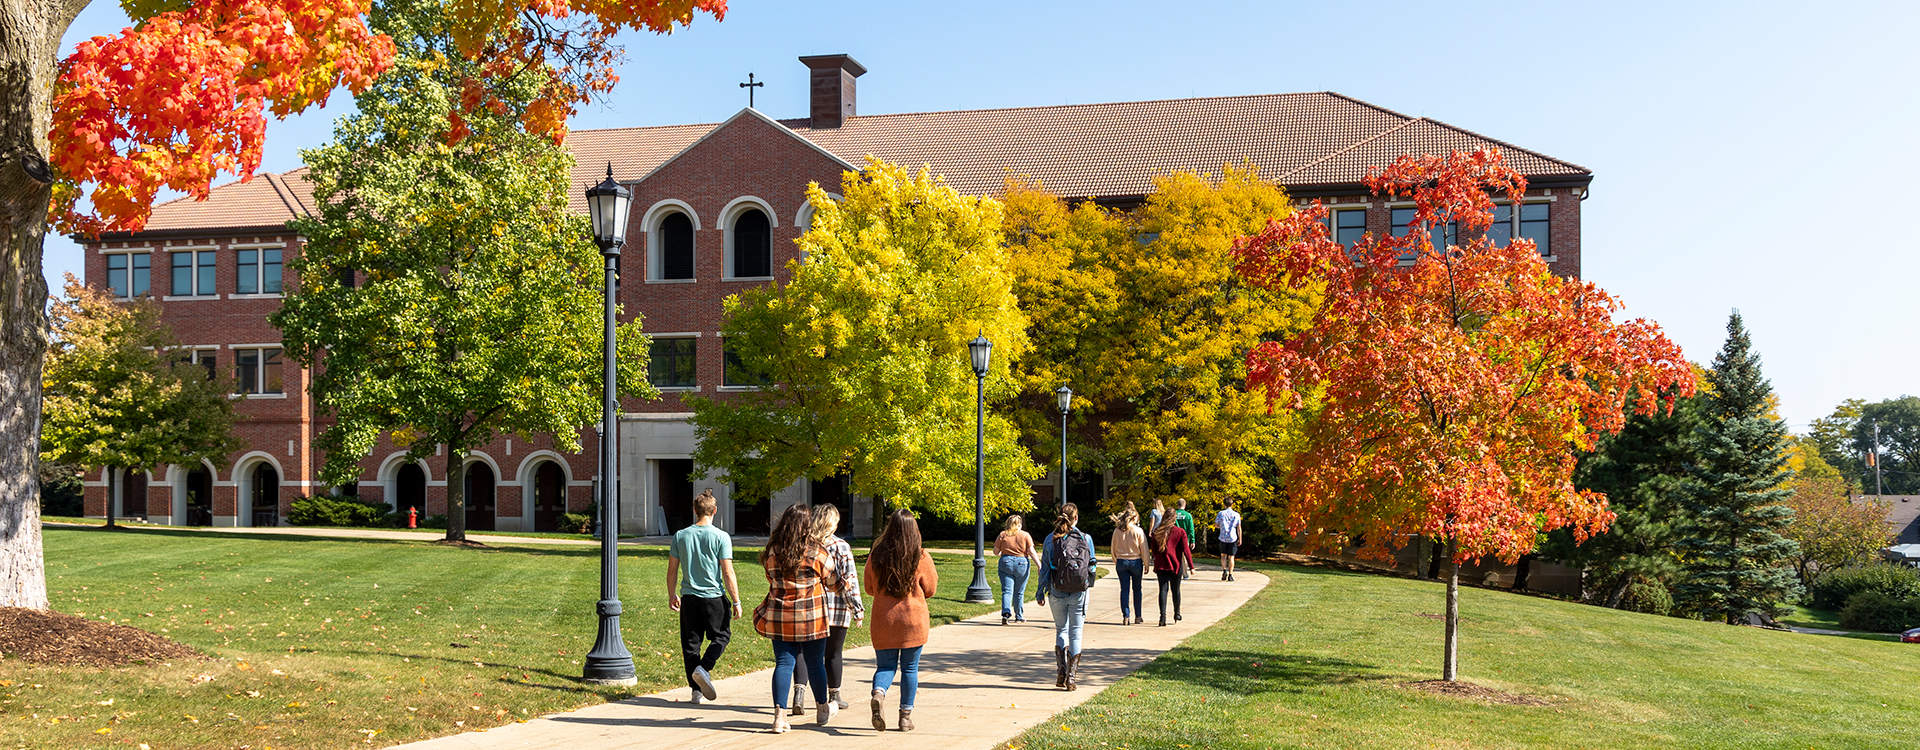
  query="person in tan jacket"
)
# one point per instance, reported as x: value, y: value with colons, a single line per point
x: 901, y: 577
x: 1017, y: 559
x: 1129, y: 562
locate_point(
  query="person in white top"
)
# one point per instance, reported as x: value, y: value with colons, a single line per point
x: 1227, y: 523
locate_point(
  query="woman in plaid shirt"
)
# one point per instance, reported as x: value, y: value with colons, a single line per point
x: 794, y: 614
x: 843, y: 610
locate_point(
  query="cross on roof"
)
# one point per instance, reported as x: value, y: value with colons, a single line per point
x: 750, y: 86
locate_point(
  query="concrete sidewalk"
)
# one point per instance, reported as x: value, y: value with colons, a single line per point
x: 981, y: 684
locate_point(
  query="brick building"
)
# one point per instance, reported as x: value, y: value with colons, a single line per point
x: 716, y: 210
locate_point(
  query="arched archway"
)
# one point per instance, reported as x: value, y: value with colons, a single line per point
x: 480, y: 496
x: 549, y: 496
x: 263, y: 495
x: 410, y: 489
x: 199, y: 497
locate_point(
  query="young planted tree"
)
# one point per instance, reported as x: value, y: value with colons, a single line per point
x: 1737, y: 558
x: 1144, y: 316
x: 445, y: 293
x: 1832, y: 528
x: 1447, y: 398
x: 865, y: 354
x: 180, y: 97
x: 117, y: 394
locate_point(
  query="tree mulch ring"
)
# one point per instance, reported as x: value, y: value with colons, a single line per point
x: 55, y: 638
x: 1470, y: 691
x: 467, y: 543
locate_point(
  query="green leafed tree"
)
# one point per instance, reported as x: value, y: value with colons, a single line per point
x: 1736, y: 557
x: 1143, y: 314
x: 445, y: 294
x: 1832, y: 436
x: 116, y: 393
x: 1898, y: 422
x: 864, y: 352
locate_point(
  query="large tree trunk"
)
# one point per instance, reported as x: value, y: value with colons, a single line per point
x: 1450, y: 667
x: 1435, y: 548
x: 1521, y: 570
x: 456, y: 495
x: 29, y: 39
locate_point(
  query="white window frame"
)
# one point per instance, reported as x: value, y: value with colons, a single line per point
x: 128, y: 254
x: 1513, y: 218
x: 260, y: 374
x: 656, y: 245
x: 194, y: 293
x: 696, y: 362
x: 259, y: 271
x: 730, y: 215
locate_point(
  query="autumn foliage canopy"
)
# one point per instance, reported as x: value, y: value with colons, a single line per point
x: 182, y: 96
x: 1447, y: 388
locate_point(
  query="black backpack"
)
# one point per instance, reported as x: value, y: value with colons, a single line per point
x: 1072, y: 563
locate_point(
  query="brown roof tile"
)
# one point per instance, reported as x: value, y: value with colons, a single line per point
x: 1112, y: 150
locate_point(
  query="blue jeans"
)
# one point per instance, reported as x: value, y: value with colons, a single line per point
x: 1013, y: 586
x: 785, y: 653
x: 1069, y: 618
x: 1130, y: 593
x: 906, y: 661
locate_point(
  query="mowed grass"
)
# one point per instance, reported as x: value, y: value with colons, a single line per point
x: 328, y: 642
x: 1318, y: 659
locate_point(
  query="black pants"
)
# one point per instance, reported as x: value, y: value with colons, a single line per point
x: 836, y: 643
x: 708, y: 619
x: 1168, y: 579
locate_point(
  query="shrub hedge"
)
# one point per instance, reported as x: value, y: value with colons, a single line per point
x: 1875, y: 612
x: 1833, y: 590
x: 345, y: 510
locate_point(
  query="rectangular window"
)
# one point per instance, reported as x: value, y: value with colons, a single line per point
x: 1442, y: 235
x: 1348, y: 226
x: 208, y: 359
x: 258, y: 370
x: 193, y: 273
x: 128, y: 274
x: 258, y: 271
x: 1534, y: 225
x: 671, y: 363
x: 733, y: 370
x: 1501, y: 232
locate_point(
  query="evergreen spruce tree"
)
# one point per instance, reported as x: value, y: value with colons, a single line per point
x: 1735, y: 560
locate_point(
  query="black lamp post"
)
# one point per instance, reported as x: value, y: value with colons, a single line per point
x: 982, y: 351
x: 609, y: 663
x: 1065, y: 398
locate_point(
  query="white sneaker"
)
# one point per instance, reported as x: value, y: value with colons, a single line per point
x: 825, y: 712
x: 697, y: 697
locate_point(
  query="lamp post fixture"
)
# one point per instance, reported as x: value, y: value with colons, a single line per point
x: 609, y: 663
x: 1065, y: 398
x: 982, y: 351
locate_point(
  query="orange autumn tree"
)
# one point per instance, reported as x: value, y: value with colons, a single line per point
x: 1449, y: 396
x: 182, y: 96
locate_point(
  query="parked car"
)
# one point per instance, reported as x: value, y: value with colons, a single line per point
x: 1911, y: 636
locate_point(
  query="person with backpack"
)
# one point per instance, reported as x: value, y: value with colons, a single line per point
x: 1185, y: 520
x: 1066, y: 574
x: 1227, y: 524
x: 901, y: 577
x: 1171, y: 555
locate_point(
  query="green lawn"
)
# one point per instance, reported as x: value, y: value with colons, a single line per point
x: 1317, y: 660
x: 317, y: 642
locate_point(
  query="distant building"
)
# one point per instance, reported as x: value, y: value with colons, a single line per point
x: 716, y: 210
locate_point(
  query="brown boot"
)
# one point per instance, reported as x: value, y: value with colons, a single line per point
x: 1060, y: 667
x: 879, y: 724
x: 1073, y: 665
x: 906, y: 720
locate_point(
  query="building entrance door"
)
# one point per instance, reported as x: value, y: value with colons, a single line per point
x: 479, y: 491
x: 549, y: 497
x: 199, y: 497
x: 676, y: 492
x: 834, y: 491
x: 133, y: 496
x: 265, y: 498
x: 410, y: 491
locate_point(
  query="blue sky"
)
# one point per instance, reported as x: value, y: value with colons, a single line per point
x: 1746, y: 155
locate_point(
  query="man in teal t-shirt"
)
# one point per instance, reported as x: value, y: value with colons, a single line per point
x: 699, y: 565
x: 1184, y: 520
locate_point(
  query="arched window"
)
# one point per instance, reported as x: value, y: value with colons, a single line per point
x: 752, y: 245
x: 676, y: 247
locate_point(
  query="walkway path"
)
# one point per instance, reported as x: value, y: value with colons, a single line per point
x: 981, y: 684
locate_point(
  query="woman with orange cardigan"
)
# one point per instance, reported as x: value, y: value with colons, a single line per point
x: 901, y: 577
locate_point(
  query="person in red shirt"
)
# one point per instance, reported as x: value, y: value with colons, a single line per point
x: 1172, y: 554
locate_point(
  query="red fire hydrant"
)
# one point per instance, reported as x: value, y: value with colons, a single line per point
x: 413, y: 518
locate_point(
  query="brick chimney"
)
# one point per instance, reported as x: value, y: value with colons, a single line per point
x: 832, y: 88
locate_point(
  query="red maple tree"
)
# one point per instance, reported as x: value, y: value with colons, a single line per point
x: 1446, y: 389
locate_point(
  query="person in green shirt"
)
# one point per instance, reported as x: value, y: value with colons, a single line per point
x: 698, y: 565
x: 1184, y: 520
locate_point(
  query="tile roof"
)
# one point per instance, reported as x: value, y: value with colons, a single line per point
x: 1112, y: 150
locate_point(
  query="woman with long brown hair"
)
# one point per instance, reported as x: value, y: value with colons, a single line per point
x: 794, y: 614
x: 901, y: 577
x: 843, y: 610
x: 1172, y: 555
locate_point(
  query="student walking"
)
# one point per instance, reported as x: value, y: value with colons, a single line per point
x: 1066, y: 574
x: 1129, y: 561
x: 702, y: 588
x: 843, y: 610
x: 901, y: 577
x: 1171, y: 554
x: 1185, y: 520
x: 1227, y: 524
x: 1017, y: 556
x: 794, y: 614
